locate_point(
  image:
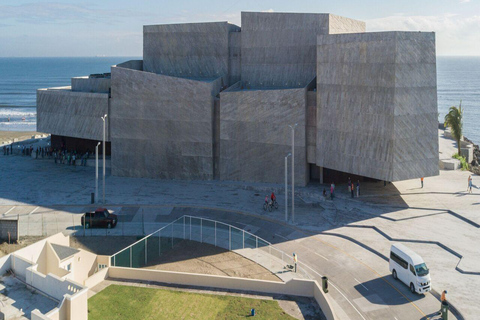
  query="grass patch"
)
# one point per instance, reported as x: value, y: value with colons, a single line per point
x: 127, y: 302
x: 463, y: 161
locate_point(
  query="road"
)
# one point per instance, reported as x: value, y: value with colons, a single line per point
x: 360, y: 283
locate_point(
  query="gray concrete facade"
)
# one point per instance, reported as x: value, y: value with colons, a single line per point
x: 255, y: 137
x: 63, y: 112
x: 190, y: 50
x: 91, y: 84
x: 162, y: 126
x: 279, y: 49
x: 214, y: 101
x: 377, y: 104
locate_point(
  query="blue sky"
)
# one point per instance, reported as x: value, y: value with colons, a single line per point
x: 114, y: 28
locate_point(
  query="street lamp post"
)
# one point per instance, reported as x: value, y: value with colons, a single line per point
x: 96, y: 171
x: 286, y: 187
x: 104, y: 118
x: 293, y: 170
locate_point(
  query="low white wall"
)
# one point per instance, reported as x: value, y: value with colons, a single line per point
x: 51, y: 284
x: 323, y: 301
x: 77, y: 306
x: 19, y: 266
x: 296, y: 287
x: 5, y: 264
x: 96, y: 278
x: 37, y: 315
x: 73, y: 307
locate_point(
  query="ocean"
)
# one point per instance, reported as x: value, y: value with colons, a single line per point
x: 458, y: 79
x: 21, y: 77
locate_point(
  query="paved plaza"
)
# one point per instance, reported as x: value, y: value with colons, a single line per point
x: 346, y: 239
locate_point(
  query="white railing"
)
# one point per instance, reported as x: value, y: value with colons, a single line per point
x: 149, y: 249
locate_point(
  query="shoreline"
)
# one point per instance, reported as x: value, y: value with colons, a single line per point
x: 15, y: 106
x: 7, y: 137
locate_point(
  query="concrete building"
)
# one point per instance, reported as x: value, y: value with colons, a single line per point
x: 215, y: 101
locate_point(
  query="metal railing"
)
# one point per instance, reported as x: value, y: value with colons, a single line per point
x: 148, y: 250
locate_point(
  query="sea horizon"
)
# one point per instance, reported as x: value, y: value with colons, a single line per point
x: 458, y: 79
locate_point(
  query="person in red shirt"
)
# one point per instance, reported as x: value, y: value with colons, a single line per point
x: 273, y: 197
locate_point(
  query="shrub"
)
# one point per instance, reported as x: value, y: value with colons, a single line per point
x: 463, y: 161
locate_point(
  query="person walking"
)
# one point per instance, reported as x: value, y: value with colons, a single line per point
x: 352, y: 187
x: 349, y: 185
x: 332, y: 191
x: 470, y: 183
x: 358, y: 188
x: 443, y: 300
x: 421, y: 180
x: 295, y: 261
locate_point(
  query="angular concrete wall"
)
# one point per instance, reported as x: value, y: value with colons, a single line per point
x: 162, y: 127
x: 255, y: 137
x: 73, y: 114
x: 377, y: 104
x: 416, y: 110
x: 86, y: 84
x: 279, y: 49
x: 191, y: 50
x: 311, y: 129
x: 235, y: 55
x: 131, y: 64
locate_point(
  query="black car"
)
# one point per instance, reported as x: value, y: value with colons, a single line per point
x: 100, y: 218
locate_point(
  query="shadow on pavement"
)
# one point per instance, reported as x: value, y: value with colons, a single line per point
x: 385, y: 285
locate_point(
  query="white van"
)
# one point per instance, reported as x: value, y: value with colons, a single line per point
x: 410, y: 268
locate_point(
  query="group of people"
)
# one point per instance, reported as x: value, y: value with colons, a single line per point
x: 62, y: 156
x: 70, y: 157
x: 351, y: 189
x: 42, y: 152
x: 7, y: 150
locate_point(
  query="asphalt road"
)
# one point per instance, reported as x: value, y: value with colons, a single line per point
x: 360, y: 283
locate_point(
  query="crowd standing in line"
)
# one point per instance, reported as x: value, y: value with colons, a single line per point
x: 60, y: 156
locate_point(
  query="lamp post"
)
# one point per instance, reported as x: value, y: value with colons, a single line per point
x: 286, y: 187
x: 96, y: 171
x: 293, y: 170
x: 104, y: 118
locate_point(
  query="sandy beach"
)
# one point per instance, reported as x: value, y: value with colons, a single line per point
x: 19, y: 135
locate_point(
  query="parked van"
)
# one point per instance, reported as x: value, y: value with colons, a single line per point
x: 410, y: 268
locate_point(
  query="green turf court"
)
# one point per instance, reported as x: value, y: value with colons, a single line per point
x: 127, y: 302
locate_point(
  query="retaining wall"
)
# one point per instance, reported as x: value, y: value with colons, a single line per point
x: 296, y: 287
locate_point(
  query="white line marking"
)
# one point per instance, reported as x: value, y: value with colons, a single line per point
x: 395, y: 318
x: 361, y: 284
x: 321, y: 256
x: 282, y: 237
x: 9, y: 210
x: 330, y: 283
x: 34, y: 210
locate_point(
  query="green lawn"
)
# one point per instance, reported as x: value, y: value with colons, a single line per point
x: 126, y: 302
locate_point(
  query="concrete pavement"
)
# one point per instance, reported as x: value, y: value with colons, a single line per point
x: 347, y: 240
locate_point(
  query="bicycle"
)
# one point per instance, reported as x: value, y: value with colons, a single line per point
x: 268, y: 206
x: 275, y: 204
